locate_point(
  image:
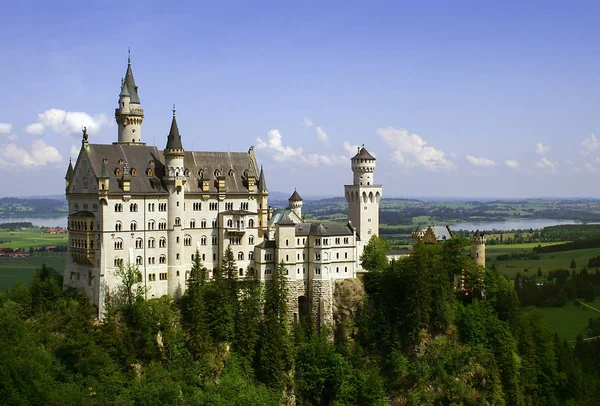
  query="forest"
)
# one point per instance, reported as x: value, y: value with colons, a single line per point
x: 229, y: 341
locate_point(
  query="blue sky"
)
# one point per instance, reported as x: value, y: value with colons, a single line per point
x: 455, y: 98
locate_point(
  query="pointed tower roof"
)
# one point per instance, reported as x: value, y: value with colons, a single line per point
x: 363, y: 153
x: 174, y: 139
x: 130, y: 83
x: 262, y: 184
x: 124, y: 91
x: 103, y: 170
x: 295, y: 197
x: 69, y: 174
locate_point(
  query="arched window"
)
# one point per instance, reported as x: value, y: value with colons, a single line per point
x: 203, y: 240
x: 162, y: 259
x: 192, y: 223
x: 177, y: 221
x: 251, y: 223
x: 118, y: 226
x: 229, y: 223
x: 250, y: 255
x: 118, y: 244
x: 151, y: 242
x: 151, y: 225
x: 240, y: 256
x: 139, y: 260
x: 133, y: 226
x: 251, y: 240
x: 162, y: 243
x: 139, y: 243
x: 203, y: 224
x: 187, y: 240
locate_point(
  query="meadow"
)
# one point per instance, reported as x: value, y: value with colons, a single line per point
x: 13, y: 270
x: 30, y: 238
x: 569, y: 320
x: 546, y: 262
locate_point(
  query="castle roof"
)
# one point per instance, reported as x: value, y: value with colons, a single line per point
x: 69, y: 171
x: 295, y: 197
x: 132, y: 89
x: 262, y: 184
x: 363, y: 154
x: 324, y: 229
x: 148, y: 163
x: 174, y: 139
x: 124, y: 91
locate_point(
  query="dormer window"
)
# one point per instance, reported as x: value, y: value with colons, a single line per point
x: 133, y: 172
x: 121, y: 162
x: 149, y: 172
x: 118, y: 171
x: 217, y: 172
x: 231, y: 173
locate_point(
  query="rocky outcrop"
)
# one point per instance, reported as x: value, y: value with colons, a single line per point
x: 348, y: 295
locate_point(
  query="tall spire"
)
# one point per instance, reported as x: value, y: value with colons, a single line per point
x: 69, y: 174
x: 130, y: 82
x: 174, y: 138
x: 262, y: 185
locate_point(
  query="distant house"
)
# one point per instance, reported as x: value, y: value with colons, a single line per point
x: 397, y: 254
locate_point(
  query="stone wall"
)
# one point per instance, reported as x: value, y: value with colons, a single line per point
x: 322, y: 301
x: 296, y: 289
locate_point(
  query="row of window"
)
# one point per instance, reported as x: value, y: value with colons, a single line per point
x: 196, y: 206
x: 85, y: 207
x: 79, y: 225
x: 77, y: 243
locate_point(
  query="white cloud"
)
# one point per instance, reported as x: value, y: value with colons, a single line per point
x: 589, y: 144
x: 69, y: 122
x: 322, y: 135
x: 351, y: 149
x: 480, y: 161
x: 512, y: 164
x: 590, y: 167
x: 35, y: 129
x: 275, y: 144
x: 545, y: 163
x: 308, y: 122
x: 282, y: 153
x: 411, y: 150
x: 13, y: 156
x: 541, y: 149
x: 5, y: 128
x: 74, y: 152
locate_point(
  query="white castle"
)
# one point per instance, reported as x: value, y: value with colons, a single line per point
x: 138, y: 204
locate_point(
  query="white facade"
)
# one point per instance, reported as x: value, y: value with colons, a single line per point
x: 135, y: 204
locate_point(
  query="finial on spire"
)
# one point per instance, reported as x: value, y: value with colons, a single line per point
x: 174, y: 110
x: 128, y: 56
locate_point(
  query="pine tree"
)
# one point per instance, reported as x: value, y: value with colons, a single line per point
x: 195, y: 314
x: 275, y: 352
x: 247, y: 322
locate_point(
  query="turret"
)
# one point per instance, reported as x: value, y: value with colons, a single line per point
x: 478, y: 248
x: 263, y: 204
x: 295, y: 203
x: 128, y: 114
x: 363, y: 166
x: 69, y: 175
x: 174, y: 181
x: 103, y: 179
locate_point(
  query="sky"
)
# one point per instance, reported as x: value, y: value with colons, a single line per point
x: 455, y: 98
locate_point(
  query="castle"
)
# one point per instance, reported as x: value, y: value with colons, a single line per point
x: 130, y: 203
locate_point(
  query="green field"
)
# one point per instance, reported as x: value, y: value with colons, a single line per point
x: 547, y: 262
x: 13, y: 270
x: 569, y: 320
x: 31, y: 237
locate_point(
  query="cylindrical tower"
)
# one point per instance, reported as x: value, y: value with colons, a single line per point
x: 175, y: 180
x: 363, y: 166
x: 129, y: 115
x: 295, y: 203
x: 478, y: 248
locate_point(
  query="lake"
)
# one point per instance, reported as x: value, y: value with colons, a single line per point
x: 510, y: 224
x: 38, y: 221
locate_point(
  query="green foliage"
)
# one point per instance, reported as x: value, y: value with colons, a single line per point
x: 374, y: 257
x: 131, y: 289
x: 275, y: 348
